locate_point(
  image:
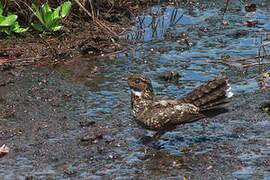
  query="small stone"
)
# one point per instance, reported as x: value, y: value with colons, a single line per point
x: 92, y: 136
x: 87, y: 123
x: 250, y: 7
x: 171, y: 75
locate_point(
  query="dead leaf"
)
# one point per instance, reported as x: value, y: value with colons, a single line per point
x: 4, y: 150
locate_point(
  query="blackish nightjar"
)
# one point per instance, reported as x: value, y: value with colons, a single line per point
x: 163, y: 114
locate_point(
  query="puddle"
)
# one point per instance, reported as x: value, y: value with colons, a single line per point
x: 74, y: 122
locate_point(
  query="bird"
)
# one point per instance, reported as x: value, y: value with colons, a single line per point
x: 162, y: 114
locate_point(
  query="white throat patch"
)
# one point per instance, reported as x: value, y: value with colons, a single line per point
x: 136, y: 93
x: 229, y: 92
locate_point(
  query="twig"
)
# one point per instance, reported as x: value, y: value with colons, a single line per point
x: 22, y: 59
x: 92, y: 8
x: 226, y: 7
x: 243, y: 61
x: 97, y: 21
x: 232, y: 60
x: 253, y: 64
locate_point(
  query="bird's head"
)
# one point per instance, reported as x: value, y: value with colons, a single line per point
x: 140, y: 86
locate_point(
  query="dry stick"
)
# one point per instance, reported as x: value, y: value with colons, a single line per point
x: 216, y: 61
x: 252, y: 64
x: 244, y: 59
x: 28, y: 7
x: 231, y: 60
x: 113, y: 53
x: 92, y: 8
x: 99, y: 23
x: 226, y: 7
x: 244, y: 64
x: 23, y: 59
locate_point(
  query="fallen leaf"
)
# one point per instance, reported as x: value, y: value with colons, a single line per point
x: 94, y: 69
x: 4, y: 150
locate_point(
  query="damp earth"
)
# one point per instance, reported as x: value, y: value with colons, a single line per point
x: 72, y: 120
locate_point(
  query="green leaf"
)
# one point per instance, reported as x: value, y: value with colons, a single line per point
x: 51, y: 19
x: 65, y: 8
x: 54, y: 18
x: 45, y: 9
x: 7, y: 31
x: 8, y: 21
x: 35, y: 7
x: 38, y: 14
x: 21, y: 30
x: 48, y: 19
x: 56, y: 13
x: 16, y: 28
x: 266, y: 109
x: 56, y: 28
x: 37, y: 27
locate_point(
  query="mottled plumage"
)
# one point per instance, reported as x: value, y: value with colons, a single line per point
x: 160, y: 114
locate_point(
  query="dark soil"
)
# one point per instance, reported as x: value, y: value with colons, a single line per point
x: 71, y: 120
x: 35, y: 49
x: 81, y: 34
x: 43, y: 123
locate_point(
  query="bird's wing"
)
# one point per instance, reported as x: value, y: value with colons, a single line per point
x: 169, y: 112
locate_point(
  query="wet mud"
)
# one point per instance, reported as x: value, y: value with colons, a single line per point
x: 72, y: 120
x: 54, y: 130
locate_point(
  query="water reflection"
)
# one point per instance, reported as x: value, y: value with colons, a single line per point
x: 180, y: 40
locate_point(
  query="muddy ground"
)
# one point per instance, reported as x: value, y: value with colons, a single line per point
x: 71, y: 120
x: 45, y: 124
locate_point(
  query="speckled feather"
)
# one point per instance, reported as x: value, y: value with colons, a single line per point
x: 156, y: 113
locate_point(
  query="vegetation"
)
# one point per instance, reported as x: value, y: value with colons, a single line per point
x: 50, y: 19
x: 99, y: 12
x: 90, y: 27
x: 9, y: 23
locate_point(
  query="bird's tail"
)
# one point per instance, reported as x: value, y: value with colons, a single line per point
x: 210, y: 94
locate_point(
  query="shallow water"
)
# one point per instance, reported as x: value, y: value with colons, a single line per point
x: 53, y: 106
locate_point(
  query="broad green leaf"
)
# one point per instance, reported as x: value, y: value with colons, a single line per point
x: 56, y: 12
x: 48, y: 19
x: 7, y: 31
x: 38, y: 14
x: 35, y: 7
x: 54, y: 22
x: 56, y: 28
x: 54, y: 18
x: 8, y: 21
x: 16, y: 28
x: 65, y: 8
x: 2, y: 18
x: 51, y: 19
x: 44, y: 13
x: 46, y: 9
x: 37, y: 27
x: 21, y: 30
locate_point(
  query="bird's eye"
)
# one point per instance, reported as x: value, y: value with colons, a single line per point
x: 137, y: 81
